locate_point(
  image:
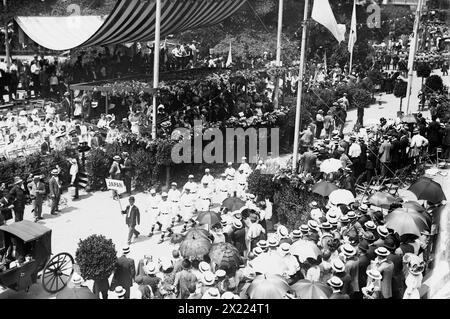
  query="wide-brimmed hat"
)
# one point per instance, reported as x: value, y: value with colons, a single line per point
x: 120, y: 291
x: 368, y: 236
x: 150, y: 268
x: 76, y: 279
x: 351, y: 215
x: 191, y: 176
x: 262, y: 244
x: 370, y: 225
x: 304, y: 228
x: 282, y: 231
x: 312, y: 224
x: 220, y: 273
x: 335, y: 282
x: 374, y: 274
x: 237, y: 223
x: 296, y: 233
x: 152, y: 191
x: 285, y: 248
x: 344, y: 219
x: 363, y: 208
x: 382, y: 231
x: 17, y: 180
x: 212, y: 293
x: 208, y: 278
x: 227, y: 295
x: 348, y: 250
x: 363, y: 245
x: 173, y: 184
x: 273, y: 241
x: 313, y: 204
x: 325, y: 225
x: 117, y: 158
x: 54, y: 171
x: 257, y: 251
x: 164, y: 194
x: 338, y: 265
x: 382, y: 251
x: 204, y: 266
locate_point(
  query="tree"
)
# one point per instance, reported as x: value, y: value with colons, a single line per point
x: 96, y: 257
x: 434, y: 84
x: 400, y: 88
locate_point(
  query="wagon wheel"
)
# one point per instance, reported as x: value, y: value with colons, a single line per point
x: 57, y: 272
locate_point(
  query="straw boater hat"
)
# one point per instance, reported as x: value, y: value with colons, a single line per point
x: 348, y: 250
x: 282, y: 231
x: 262, y: 244
x: 304, y: 228
x: 273, y: 241
x: 325, y: 225
x: 208, y: 278
x: 363, y: 208
x: 191, y: 176
x: 152, y: 191
x: 220, y: 274
x: 285, y: 248
x: 374, y: 274
x: 338, y: 265
x: 296, y: 233
x: 76, y: 279
x: 117, y: 158
x: 164, y: 194
x: 370, y: 225
x: 382, y: 231
x: 150, y: 268
x: 312, y: 224
x: 120, y: 292
x: 257, y: 251
x: 344, y: 219
x: 237, y: 223
x: 227, y: 295
x: 204, y: 267
x: 212, y: 293
x: 126, y: 250
x: 313, y: 204
x: 335, y: 282
x: 173, y: 184
x: 351, y: 215
x: 54, y: 171
x: 382, y: 251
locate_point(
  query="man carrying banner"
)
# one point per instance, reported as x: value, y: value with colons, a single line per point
x: 115, y: 171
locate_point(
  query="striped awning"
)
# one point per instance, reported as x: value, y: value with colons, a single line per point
x: 129, y: 21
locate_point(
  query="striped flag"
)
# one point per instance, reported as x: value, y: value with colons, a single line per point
x: 323, y: 14
x: 229, y: 59
x: 352, y: 36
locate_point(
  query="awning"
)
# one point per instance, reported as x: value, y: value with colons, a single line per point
x: 129, y: 21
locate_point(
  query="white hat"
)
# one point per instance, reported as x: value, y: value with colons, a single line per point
x: 285, y: 248
x: 220, y: 273
x: 273, y: 241
x: 348, y: 250
x: 207, y: 170
x: 208, y: 278
x: 150, y: 268
x: 230, y: 163
x: 76, y: 279
x: 382, y: 251
x: 126, y: 249
x: 282, y: 231
x: 338, y: 265
x: 204, y: 266
x: 227, y: 295
x: 164, y: 194
x: 174, y: 184
x: 191, y: 176
x: 211, y: 293
x: 335, y: 282
x: 244, y: 158
x: 374, y: 274
x: 152, y: 191
x: 237, y: 223
x: 257, y: 251
x: 251, y: 196
x: 120, y: 292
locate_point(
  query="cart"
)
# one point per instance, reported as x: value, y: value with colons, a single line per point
x: 35, y: 240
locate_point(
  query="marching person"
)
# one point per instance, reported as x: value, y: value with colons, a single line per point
x: 209, y: 179
x: 221, y: 189
x: 230, y: 170
x: 153, y: 206
x: 204, y: 200
x: 231, y: 184
x: 37, y: 192
x: 132, y: 219
x: 245, y: 167
x: 55, y: 191
x: 124, y: 272
x: 173, y: 196
x: 190, y: 184
x: 164, y: 218
x: 18, y: 196
x: 187, y: 208
x: 241, y: 182
x: 127, y: 171
x: 74, y: 176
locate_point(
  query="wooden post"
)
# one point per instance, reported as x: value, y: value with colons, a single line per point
x: 299, y: 89
x: 106, y: 103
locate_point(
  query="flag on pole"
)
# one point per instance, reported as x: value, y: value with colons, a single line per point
x: 229, y: 59
x: 352, y: 36
x: 323, y: 14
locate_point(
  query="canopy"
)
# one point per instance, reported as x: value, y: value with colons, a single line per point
x: 26, y: 230
x: 129, y: 21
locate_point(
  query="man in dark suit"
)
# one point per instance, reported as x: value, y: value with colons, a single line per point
x: 66, y: 105
x: 126, y: 168
x: 124, y: 272
x: 336, y: 284
x: 132, y: 219
x: 37, y: 192
x: 55, y: 191
x: 18, y: 195
x: 45, y: 146
x: 398, y: 278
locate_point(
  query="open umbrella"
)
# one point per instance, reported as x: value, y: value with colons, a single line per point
x: 428, y: 189
x: 341, y: 196
x: 210, y: 218
x: 196, y: 244
x: 406, y: 221
x: 268, y: 263
x: 383, y: 200
x: 330, y: 165
x: 305, y: 249
x: 225, y: 256
x: 406, y: 195
x: 414, y: 205
x: 305, y: 289
x: 324, y: 188
x: 268, y: 287
x: 76, y: 293
x: 233, y: 203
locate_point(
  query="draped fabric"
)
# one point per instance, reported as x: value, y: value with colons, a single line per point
x: 129, y: 21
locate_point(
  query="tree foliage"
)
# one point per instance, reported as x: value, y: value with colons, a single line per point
x: 434, y: 83
x: 400, y: 88
x: 96, y: 257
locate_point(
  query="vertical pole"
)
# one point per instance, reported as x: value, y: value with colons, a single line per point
x: 156, y: 64
x: 7, y: 51
x: 107, y: 103
x: 278, y: 56
x: 300, y: 88
x: 412, y: 53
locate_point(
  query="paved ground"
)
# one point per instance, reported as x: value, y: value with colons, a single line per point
x: 97, y: 213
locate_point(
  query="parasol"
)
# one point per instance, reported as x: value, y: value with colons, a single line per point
x: 406, y: 195
x: 225, y: 256
x: 414, y: 205
x: 305, y: 289
x: 268, y: 287
x: 330, y: 165
x: 196, y: 244
x: 383, y: 200
x: 269, y: 263
x: 428, y: 189
x: 324, y: 188
x: 210, y: 218
x: 233, y: 203
x: 406, y: 221
x: 305, y: 249
x: 341, y: 196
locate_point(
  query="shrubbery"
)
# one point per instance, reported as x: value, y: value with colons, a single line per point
x: 261, y: 185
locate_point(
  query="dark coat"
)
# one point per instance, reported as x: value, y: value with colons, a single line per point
x: 363, y: 263
x: 339, y: 295
x: 127, y: 169
x: 238, y: 239
x: 124, y: 273
x: 18, y: 195
x: 398, y: 277
x: 134, y: 217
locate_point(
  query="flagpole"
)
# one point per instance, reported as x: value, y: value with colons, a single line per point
x: 299, y: 89
x: 351, y: 41
x: 412, y: 53
x: 156, y: 64
x: 278, y: 55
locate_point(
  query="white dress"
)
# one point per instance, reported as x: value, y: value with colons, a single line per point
x: 413, y: 283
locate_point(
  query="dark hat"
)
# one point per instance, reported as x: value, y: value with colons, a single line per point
x: 389, y: 244
x: 370, y: 237
x: 363, y: 245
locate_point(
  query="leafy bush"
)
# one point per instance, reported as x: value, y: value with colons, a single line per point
x: 434, y: 84
x: 97, y: 167
x: 361, y: 98
x: 261, y: 185
x: 96, y: 257
x: 400, y: 88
